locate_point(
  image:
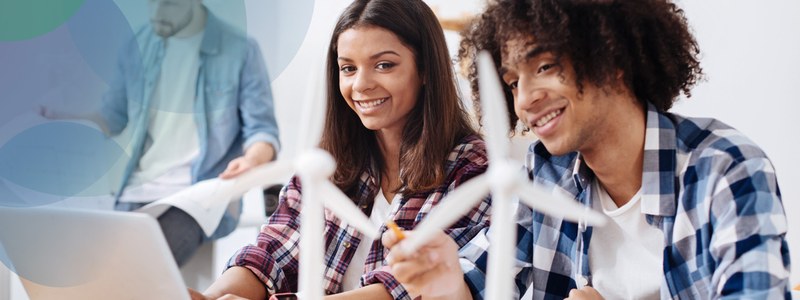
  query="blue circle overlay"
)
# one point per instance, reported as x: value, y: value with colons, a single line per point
x: 68, y: 66
x: 58, y: 158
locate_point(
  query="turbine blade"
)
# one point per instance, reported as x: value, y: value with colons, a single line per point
x: 556, y: 206
x: 494, y: 113
x: 278, y: 171
x: 456, y: 204
x: 345, y: 209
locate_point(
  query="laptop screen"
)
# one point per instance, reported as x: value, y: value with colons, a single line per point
x: 81, y: 254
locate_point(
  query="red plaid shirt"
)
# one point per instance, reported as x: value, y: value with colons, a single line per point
x: 274, y: 259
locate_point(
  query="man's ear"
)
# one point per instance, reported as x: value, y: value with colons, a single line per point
x: 617, y: 83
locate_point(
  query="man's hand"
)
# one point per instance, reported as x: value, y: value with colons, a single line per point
x: 236, y: 167
x: 257, y: 154
x: 586, y: 292
x: 431, y: 272
x: 195, y: 295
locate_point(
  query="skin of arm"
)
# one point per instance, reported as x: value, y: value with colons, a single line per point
x: 373, y: 291
x: 238, y: 281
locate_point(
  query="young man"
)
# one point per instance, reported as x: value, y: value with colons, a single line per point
x: 694, y: 206
x: 195, y: 95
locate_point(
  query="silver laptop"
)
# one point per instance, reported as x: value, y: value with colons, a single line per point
x: 81, y: 254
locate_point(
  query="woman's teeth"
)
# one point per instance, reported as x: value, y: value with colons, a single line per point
x: 371, y: 103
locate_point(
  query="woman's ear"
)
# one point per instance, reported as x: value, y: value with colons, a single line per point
x: 619, y: 80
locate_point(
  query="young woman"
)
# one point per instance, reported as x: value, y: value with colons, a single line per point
x: 401, y: 139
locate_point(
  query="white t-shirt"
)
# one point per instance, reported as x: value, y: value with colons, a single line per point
x: 380, y: 212
x: 625, y: 255
x: 171, y: 143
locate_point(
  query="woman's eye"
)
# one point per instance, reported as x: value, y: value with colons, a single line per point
x: 384, y: 66
x: 347, y: 69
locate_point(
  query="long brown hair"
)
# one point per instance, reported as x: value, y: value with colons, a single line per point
x: 436, y: 123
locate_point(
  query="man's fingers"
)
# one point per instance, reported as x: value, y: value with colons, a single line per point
x: 414, y: 264
x: 232, y: 170
x: 423, y: 275
x: 195, y: 295
x: 389, y: 239
x: 423, y: 280
x: 584, y: 293
x: 407, y: 270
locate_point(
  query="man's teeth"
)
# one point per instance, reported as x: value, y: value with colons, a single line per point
x: 371, y: 103
x: 548, y: 117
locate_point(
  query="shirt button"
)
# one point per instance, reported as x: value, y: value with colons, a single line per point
x: 346, y: 244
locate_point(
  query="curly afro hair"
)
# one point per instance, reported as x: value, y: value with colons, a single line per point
x: 649, y: 41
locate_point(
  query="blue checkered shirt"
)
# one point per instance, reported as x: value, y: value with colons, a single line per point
x: 710, y: 190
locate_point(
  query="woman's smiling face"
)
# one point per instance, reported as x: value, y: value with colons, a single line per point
x: 378, y: 77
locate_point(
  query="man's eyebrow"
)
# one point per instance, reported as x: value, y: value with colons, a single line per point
x: 532, y: 53
x: 374, y: 56
x: 502, y: 71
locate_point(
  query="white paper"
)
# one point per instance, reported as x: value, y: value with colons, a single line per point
x: 207, y: 200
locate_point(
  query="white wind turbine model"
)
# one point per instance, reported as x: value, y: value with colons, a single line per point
x: 505, y: 180
x: 314, y: 166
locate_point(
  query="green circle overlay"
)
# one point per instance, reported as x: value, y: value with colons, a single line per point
x: 26, y: 19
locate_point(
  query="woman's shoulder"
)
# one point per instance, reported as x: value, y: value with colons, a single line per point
x: 470, y: 148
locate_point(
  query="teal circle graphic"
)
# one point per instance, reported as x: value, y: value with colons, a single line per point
x: 25, y: 19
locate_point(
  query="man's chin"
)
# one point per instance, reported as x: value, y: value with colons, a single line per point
x: 164, y: 32
x: 556, y: 149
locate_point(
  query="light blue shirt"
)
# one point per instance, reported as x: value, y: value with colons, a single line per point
x: 233, y: 108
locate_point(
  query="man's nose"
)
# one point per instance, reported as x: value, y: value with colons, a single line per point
x: 528, y: 93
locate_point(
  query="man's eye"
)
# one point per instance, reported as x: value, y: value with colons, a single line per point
x: 546, y: 67
x: 513, y: 85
